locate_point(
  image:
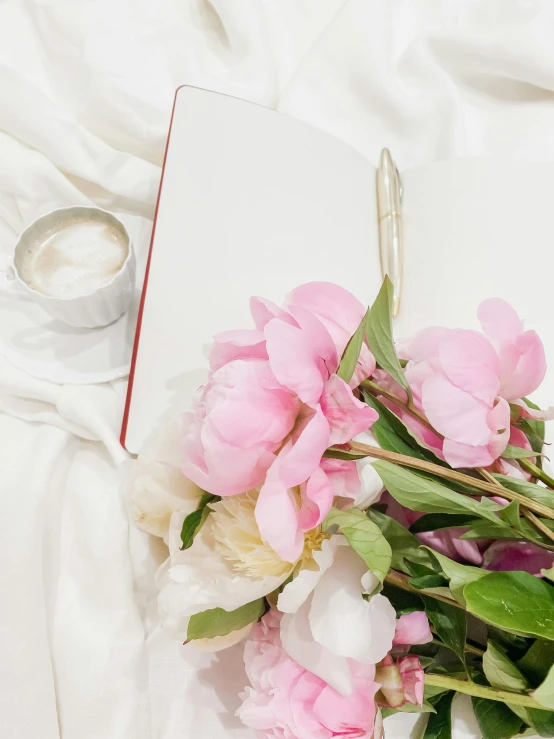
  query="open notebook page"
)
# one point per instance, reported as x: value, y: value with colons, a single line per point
x: 252, y: 202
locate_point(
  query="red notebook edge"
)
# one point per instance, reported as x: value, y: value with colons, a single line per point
x: 127, y: 408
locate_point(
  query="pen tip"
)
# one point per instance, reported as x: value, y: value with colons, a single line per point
x: 386, y: 159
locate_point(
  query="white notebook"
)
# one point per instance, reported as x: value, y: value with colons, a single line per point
x: 254, y: 202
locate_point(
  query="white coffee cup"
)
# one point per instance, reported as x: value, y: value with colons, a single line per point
x: 77, y: 263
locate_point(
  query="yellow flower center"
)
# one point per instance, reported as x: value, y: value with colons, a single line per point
x: 238, y: 539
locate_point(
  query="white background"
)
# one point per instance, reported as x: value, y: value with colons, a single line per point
x: 86, y: 89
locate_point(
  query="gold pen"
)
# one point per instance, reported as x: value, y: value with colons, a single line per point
x: 389, y: 204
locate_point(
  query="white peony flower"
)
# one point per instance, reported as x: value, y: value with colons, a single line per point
x: 371, y: 484
x: 155, y: 486
x: 240, y: 542
x: 327, y: 621
x: 199, y: 578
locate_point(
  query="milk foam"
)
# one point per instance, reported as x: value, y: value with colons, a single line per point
x: 76, y: 259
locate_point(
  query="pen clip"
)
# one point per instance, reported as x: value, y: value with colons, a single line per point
x: 389, y: 202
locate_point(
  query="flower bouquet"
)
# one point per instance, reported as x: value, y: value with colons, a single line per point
x: 372, y: 519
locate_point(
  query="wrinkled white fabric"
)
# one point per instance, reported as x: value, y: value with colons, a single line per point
x: 86, y: 90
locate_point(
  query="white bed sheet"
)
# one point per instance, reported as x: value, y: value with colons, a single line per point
x: 86, y: 90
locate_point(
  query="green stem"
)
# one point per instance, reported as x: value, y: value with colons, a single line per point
x: 449, y: 474
x: 399, y: 580
x: 537, y: 472
x: 481, y: 691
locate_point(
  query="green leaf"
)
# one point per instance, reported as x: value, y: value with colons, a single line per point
x: 364, y: 536
x: 515, y: 646
x: 511, y: 515
x: 380, y: 338
x: 351, y: 354
x: 516, y: 452
x: 537, y: 661
x: 449, y: 623
x: 218, y: 622
x: 434, y: 521
x: 544, y: 694
x: 514, y: 601
x: 195, y: 520
x: 459, y: 575
x: 541, y: 721
x: 404, y: 545
x: 495, y: 719
x: 501, y: 671
x: 427, y: 496
x: 440, y: 723
x: 533, y: 492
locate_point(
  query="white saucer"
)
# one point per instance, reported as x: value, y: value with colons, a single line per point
x: 51, y: 350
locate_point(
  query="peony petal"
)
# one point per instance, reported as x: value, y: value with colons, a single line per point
x: 370, y: 482
x: 302, y: 358
x: 317, y: 499
x: 300, y: 703
x: 530, y: 368
x: 342, y: 621
x: 298, y: 590
x: 424, y: 345
x: 299, y: 644
x: 305, y: 455
x: 499, y: 321
x: 349, y: 715
x: 455, y: 413
x: 413, y: 679
x: 347, y: 416
x: 471, y: 363
x: 448, y: 542
x: 263, y: 310
x: 517, y: 555
x: 464, y: 455
x: 231, y: 345
x: 339, y: 311
x: 413, y: 628
x: 498, y: 421
x: 277, y: 513
x: 343, y: 476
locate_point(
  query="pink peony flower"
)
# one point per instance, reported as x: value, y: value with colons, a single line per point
x: 401, y: 682
x: 274, y: 404
x: 506, y: 556
x: 464, y: 382
x: 412, y: 628
x: 285, y: 700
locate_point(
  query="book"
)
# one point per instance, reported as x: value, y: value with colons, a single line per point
x: 255, y: 202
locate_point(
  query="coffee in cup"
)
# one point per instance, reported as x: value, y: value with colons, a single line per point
x: 78, y: 263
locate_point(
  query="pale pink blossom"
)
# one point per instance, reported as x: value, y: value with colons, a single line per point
x: 412, y: 628
x: 274, y: 404
x: 286, y: 700
x: 464, y: 382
